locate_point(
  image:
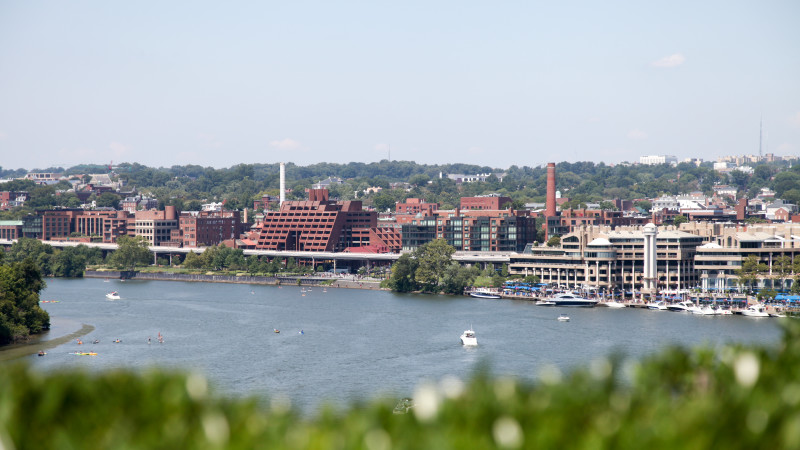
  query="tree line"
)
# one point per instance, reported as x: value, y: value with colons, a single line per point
x: 187, y: 187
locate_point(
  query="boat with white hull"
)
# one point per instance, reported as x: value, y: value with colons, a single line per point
x: 468, y: 338
x: 613, y: 304
x: 570, y: 299
x: 484, y: 294
x: 757, y: 310
x: 680, y: 306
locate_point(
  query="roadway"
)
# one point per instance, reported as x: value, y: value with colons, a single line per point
x: 461, y: 257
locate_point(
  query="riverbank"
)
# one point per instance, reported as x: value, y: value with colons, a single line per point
x: 340, y: 281
x: 47, y: 340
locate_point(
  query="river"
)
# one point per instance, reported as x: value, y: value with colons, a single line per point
x: 339, y: 345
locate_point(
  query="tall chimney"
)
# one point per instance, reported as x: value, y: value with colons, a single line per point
x: 550, y: 206
x: 283, y: 182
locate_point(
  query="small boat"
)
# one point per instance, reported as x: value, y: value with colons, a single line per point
x: 113, y: 295
x: 545, y: 303
x: 84, y: 353
x: 275, y: 330
x: 483, y: 294
x: 563, y: 318
x: 49, y: 301
x: 468, y: 338
x: 757, y: 310
x: 41, y: 353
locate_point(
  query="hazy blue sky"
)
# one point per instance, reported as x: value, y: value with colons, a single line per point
x: 491, y: 82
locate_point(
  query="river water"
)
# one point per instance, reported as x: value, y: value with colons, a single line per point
x: 339, y: 345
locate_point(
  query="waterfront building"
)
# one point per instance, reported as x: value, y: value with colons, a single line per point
x: 318, y: 224
x: 718, y: 262
x: 207, y: 228
x: 606, y: 259
x: 156, y: 226
x: 472, y: 230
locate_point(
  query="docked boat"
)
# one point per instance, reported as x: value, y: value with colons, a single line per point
x: 563, y: 318
x: 657, y: 306
x: 570, y: 299
x: 468, y: 338
x: 680, y: 306
x: 114, y: 295
x: 757, y: 310
x: 706, y: 311
x: 483, y: 294
x: 545, y: 303
x: 613, y: 304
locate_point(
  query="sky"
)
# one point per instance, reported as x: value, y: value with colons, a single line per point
x: 491, y: 83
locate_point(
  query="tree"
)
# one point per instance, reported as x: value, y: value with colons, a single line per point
x: 403, y: 274
x: 130, y: 252
x: 782, y: 266
x: 679, y: 219
x: 554, y: 241
x: 432, y: 258
x: 456, y: 278
x: 644, y: 204
x: 20, y: 314
x: 108, y: 200
x: 750, y: 271
x: 606, y: 205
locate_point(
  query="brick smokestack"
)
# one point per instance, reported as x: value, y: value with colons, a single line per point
x: 550, y: 206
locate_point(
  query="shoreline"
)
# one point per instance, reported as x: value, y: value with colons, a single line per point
x: 42, y: 342
x: 337, y: 282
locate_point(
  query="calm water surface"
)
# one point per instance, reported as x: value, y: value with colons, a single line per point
x: 354, y: 344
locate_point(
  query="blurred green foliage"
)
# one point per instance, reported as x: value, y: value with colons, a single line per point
x: 732, y: 397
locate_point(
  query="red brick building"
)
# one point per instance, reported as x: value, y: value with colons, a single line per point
x: 10, y: 199
x: 317, y: 224
x: 415, y: 206
x: 10, y: 229
x: 484, y: 202
x: 207, y: 228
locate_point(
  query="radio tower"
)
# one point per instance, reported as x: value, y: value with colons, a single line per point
x: 760, y: 137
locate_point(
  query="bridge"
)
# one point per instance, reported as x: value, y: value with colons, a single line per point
x: 349, y: 259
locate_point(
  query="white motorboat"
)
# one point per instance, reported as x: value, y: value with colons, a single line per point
x: 563, y: 318
x: 114, y: 295
x: 706, y: 311
x: 483, y: 294
x: 570, y: 299
x: 657, y: 306
x: 468, y: 338
x: 680, y: 306
x: 545, y: 303
x: 613, y: 304
x: 756, y: 310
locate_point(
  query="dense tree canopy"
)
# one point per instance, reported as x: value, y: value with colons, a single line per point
x: 20, y: 314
